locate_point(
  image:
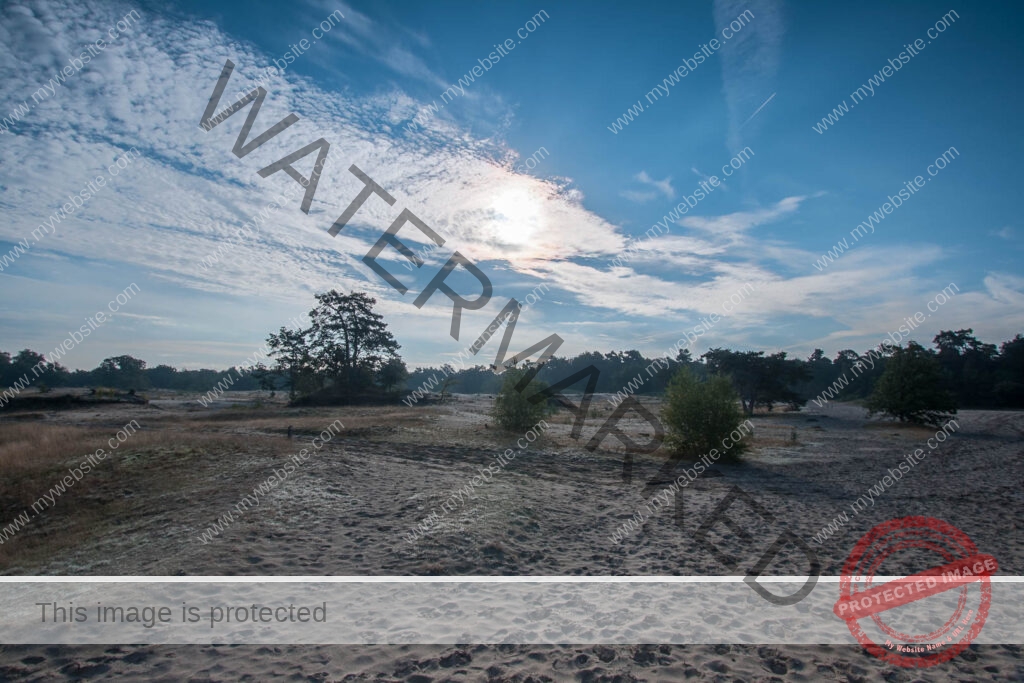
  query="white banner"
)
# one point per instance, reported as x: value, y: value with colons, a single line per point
x: 446, y: 610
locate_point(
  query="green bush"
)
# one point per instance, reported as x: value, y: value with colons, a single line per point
x: 911, y: 388
x: 699, y: 416
x: 512, y: 411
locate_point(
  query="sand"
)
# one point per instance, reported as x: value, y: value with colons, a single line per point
x: 423, y: 663
x: 553, y: 510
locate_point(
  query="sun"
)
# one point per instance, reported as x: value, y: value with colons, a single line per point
x: 518, y: 216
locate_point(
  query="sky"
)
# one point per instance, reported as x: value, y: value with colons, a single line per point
x: 531, y: 168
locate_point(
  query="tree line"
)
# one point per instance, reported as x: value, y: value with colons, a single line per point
x: 347, y: 355
x: 117, y: 372
x: 975, y: 374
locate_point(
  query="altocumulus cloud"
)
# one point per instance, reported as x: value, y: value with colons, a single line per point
x: 189, y: 195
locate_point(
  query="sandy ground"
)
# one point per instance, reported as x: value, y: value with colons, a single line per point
x: 552, y: 510
x: 520, y: 663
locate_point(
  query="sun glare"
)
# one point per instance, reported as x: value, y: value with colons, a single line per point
x: 517, y: 216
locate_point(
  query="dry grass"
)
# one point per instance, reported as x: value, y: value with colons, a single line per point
x: 302, y: 420
x: 42, y: 445
x: 37, y: 445
x: 34, y: 457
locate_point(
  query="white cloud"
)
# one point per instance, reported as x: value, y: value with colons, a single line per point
x: 741, y: 221
x: 187, y: 195
x: 662, y: 186
x: 996, y: 313
x: 380, y: 42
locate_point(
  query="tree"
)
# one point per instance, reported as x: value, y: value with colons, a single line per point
x: 349, y: 342
x: 291, y: 350
x: 1009, y: 389
x: 513, y: 411
x: 392, y: 374
x: 821, y: 373
x: 911, y: 388
x: 163, y: 376
x: 700, y: 416
x: 759, y: 380
x: 344, y: 352
x: 33, y: 365
x: 123, y: 372
x: 450, y: 380
x: 6, y: 375
x: 741, y: 369
x: 969, y: 366
x: 955, y: 343
x: 23, y: 363
x: 778, y: 376
x: 265, y: 378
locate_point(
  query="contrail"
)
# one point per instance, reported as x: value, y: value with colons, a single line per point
x: 763, y: 104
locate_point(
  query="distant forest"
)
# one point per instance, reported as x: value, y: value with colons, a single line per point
x: 977, y: 374
x: 120, y: 372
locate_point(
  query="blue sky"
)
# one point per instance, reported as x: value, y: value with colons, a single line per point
x: 574, y: 70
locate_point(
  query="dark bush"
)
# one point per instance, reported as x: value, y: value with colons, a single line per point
x: 700, y: 416
x: 911, y: 388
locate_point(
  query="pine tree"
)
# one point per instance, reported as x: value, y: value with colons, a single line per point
x: 911, y: 388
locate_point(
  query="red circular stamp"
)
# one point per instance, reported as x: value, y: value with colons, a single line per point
x: 960, y: 567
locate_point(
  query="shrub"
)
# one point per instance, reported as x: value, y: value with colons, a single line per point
x: 700, y: 416
x: 911, y: 388
x: 512, y: 410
